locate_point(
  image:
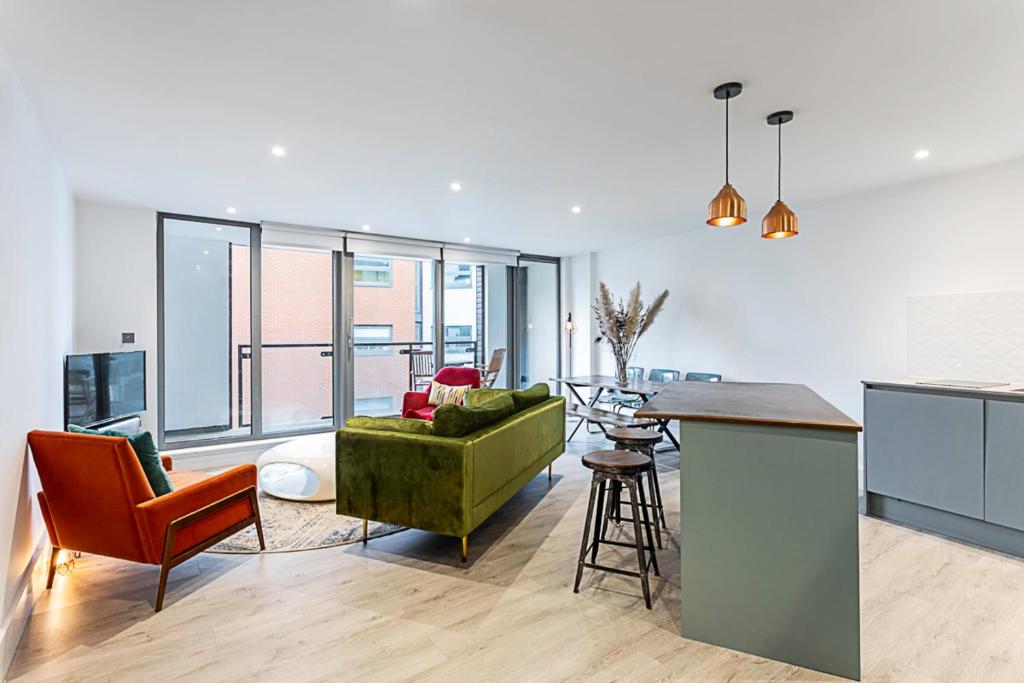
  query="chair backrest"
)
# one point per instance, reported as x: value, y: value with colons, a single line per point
x: 702, y: 377
x: 422, y: 362
x: 490, y: 372
x: 496, y: 361
x: 634, y: 373
x: 663, y: 375
x: 91, y: 487
x: 458, y: 376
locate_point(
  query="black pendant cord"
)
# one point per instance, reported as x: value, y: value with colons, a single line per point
x: 727, y: 141
x: 779, y: 185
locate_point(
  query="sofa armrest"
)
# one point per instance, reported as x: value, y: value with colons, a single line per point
x: 414, y: 480
x: 414, y: 400
x: 156, y: 515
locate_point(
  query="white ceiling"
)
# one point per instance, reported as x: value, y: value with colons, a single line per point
x: 534, y: 105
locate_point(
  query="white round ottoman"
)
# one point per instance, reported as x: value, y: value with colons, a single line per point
x: 300, y: 469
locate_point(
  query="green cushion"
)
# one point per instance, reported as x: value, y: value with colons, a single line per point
x: 391, y: 424
x: 524, y: 398
x: 146, y: 452
x: 477, y: 396
x: 454, y: 420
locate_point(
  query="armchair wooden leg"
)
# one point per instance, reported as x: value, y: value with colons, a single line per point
x: 365, y: 525
x: 259, y: 522
x: 169, y: 559
x: 54, y: 554
x: 465, y: 548
x: 161, y: 588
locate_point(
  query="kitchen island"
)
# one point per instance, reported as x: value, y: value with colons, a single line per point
x: 768, y: 486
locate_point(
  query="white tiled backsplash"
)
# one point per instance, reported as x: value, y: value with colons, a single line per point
x: 976, y: 336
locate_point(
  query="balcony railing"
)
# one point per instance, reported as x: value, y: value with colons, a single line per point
x: 326, y: 350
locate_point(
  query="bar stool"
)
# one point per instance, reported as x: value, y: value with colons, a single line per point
x: 625, y: 468
x: 641, y: 441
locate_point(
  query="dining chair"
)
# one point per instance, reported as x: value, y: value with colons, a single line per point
x: 422, y: 369
x: 702, y: 377
x: 489, y: 373
x: 663, y: 375
x: 617, y: 399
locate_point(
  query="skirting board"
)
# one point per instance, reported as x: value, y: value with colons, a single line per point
x: 974, y: 531
x: 32, y: 584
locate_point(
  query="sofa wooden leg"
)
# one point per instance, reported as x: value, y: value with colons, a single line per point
x: 54, y: 554
x: 365, y: 525
x: 549, y: 471
x: 465, y: 548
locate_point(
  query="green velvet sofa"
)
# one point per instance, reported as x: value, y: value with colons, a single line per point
x: 448, y: 485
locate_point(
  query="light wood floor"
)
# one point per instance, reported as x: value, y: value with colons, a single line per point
x: 404, y: 607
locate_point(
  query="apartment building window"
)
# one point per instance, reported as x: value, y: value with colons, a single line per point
x: 458, y: 276
x: 364, y: 337
x: 372, y: 271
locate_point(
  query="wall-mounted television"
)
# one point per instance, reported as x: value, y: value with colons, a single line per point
x: 103, y: 387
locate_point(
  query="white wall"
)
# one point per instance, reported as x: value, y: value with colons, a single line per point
x: 115, y: 286
x: 36, y: 216
x: 829, y: 307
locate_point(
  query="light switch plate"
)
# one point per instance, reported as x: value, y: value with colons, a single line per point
x: 127, y: 337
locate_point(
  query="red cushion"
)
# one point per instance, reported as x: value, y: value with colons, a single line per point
x: 424, y: 413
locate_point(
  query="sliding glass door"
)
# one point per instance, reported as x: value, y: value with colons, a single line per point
x: 392, y: 330
x: 476, y: 320
x: 205, y: 289
x: 279, y: 330
x: 538, y: 340
x: 297, y: 313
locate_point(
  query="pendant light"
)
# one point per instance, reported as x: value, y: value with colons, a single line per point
x: 780, y: 221
x: 728, y: 208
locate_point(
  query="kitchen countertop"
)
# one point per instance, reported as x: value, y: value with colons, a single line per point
x: 785, y: 405
x: 1011, y: 390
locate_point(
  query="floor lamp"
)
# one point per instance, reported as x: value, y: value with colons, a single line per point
x: 570, y: 328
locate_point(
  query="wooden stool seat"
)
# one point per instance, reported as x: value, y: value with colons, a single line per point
x: 632, y: 435
x: 617, y: 462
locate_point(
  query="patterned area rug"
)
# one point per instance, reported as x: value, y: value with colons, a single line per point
x: 289, y: 526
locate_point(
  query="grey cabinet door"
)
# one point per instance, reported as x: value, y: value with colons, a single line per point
x: 926, y: 449
x: 1004, y: 463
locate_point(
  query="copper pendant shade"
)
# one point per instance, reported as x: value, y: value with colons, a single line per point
x: 728, y: 208
x: 780, y: 221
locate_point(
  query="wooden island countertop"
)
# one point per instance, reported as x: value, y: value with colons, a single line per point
x: 781, y: 405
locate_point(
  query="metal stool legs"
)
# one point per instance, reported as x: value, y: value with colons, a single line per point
x: 599, y: 510
x: 659, y: 509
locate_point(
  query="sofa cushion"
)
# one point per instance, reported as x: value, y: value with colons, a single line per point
x: 145, y: 451
x: 524, y: 398
x: 391, y: 424
x: 455, y: 420
x: 445, y: 394
x: 477, y: 396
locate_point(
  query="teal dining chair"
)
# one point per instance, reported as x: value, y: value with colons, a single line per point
x: 702, y: 377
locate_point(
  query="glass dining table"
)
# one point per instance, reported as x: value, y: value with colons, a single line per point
x: 587, y: 411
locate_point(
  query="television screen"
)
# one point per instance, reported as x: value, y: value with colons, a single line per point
x: 100, y: 387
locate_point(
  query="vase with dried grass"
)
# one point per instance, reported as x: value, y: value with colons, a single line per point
x: 620, y: 325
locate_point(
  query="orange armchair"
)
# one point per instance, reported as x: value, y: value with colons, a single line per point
x: 96, y: 499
